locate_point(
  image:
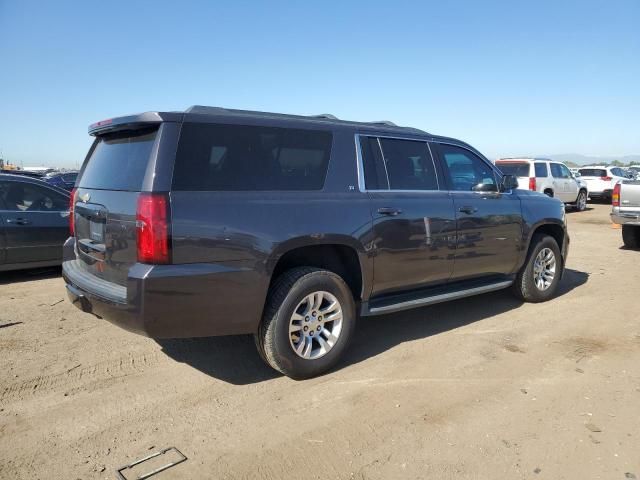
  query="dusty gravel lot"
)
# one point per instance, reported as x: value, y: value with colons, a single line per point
x: 484, y: 387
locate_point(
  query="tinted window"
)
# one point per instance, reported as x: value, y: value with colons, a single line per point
x: 519, y: 169
x: 119, y: 161
x: 541, y: 169
x: 233, y: 157
x: 409, y: 165
x: 557, y: 171
x: 69, y: 177
x: 466, y: 170
x: 26, y: 197
x: 565, y: 171
x: 375, y: 176
x: 593, y: 172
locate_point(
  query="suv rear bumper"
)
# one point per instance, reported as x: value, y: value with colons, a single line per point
x: 625, y: 218
x: 601, y: 194
x: 171, y: 301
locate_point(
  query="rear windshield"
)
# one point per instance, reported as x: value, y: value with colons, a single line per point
x: 119, y: 161
x: 513, y: 168
x: 239, y: 157
x: 593, y: 172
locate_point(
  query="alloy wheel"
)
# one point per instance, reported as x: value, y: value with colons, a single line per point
x: 315, y: 326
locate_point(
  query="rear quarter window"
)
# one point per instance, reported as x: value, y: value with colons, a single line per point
x: 119, y: 161
x: 541, y: 170
x: 213, y: 157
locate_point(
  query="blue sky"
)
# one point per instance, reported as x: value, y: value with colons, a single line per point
x: 509, y: 77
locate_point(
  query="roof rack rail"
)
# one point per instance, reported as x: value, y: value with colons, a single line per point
x: 325, y: 115
x: 383, y: 122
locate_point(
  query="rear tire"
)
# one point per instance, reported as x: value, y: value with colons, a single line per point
x: 548, y: 193
x: 631, y: 236
x: 307, y: 324
x: 538, y: 279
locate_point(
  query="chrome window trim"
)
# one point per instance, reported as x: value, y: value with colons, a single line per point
x: 360, y: 164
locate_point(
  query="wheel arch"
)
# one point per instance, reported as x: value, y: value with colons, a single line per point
x: 342, y: 255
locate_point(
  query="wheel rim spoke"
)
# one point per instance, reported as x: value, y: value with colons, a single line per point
x: 315, y: 325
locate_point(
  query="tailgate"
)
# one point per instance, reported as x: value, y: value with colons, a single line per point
x: 630, y: 196
x: 106, y: 202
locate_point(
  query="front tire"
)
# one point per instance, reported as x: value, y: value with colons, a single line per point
x: 539, y: 277
x: 307, y: 324
x: 581, y: 202
x: 631, y: 236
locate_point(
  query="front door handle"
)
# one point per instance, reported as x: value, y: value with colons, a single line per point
x: 18, y: 221
x: 389, y: 211
x: 468, y: 209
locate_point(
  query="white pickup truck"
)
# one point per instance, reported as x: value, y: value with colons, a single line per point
x: 626, y: 211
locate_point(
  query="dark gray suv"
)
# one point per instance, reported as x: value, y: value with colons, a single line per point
x: 217, y: 222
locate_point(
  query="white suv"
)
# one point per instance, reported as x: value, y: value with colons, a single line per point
x: 546, y: 176
x: 601, y: 180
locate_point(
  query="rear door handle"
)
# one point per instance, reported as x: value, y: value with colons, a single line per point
x: 18, y: 221
x: 389, y: 211
x: 469, y: 210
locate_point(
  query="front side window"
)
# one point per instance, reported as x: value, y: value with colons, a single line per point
x: 467, y: 172
x: 565, y: 171
x: 556, y: 170
x: 541, y: 170
x: 27, y: 197
x: 214, y: 157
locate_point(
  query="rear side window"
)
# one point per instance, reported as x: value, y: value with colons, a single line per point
x: 119, y: 161
x: 518, y: 169
x: 593, y: 172
x: 541, y: 170
x: 239, y: 157
x: 409, y: 165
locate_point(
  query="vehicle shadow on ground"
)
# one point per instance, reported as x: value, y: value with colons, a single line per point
x: 19, y: 276
x: 236, y: 361
x: 573, y: 210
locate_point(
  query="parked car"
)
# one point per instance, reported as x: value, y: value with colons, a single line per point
x: 23, y: 172
x: 64, y: 180
x: 218, y: 222
x: 601, y: 181
x: 547, y: 176
x: 34, y: 222
x: 636, y: 171
x: 625, y: 211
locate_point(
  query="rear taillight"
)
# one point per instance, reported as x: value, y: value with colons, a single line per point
x: 72, y: 216
x: 532, y: 184
x: 615, y: 196
x: 606, y: 179
x: 152, y: 228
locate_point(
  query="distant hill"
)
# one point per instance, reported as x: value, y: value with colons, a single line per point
x: 578, y: 159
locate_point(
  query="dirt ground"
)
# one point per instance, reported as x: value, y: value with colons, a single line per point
x: 485, y: 387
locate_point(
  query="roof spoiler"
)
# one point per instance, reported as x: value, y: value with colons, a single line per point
x: 132, y: 122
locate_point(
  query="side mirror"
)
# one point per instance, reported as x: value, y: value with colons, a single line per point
x: 509, y: 182
x: 485, y: 187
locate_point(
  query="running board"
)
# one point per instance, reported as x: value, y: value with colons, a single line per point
x: 380, y: 309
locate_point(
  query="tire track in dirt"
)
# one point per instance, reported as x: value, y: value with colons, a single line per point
x: 79, y: 374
